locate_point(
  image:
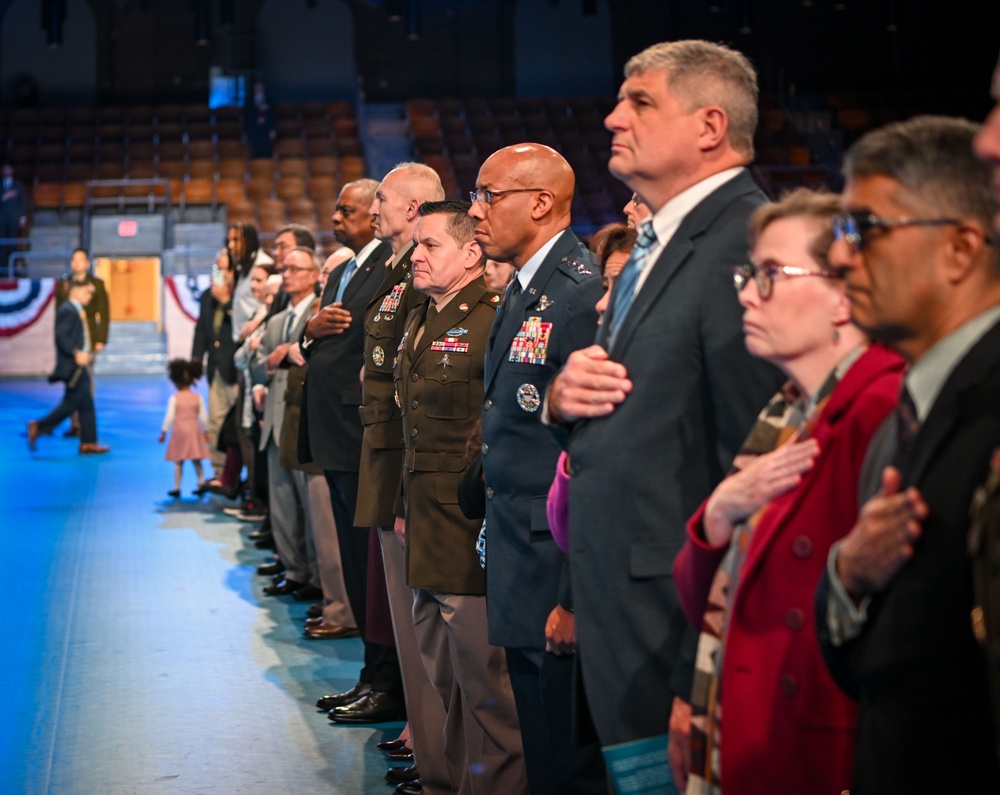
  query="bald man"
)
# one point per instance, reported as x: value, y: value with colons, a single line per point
x: 522, y: 213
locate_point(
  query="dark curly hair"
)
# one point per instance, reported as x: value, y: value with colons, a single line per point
x: 183, y: 372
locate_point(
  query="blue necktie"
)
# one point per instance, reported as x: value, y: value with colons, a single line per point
x: 628, y: 278
x: 352, y: 265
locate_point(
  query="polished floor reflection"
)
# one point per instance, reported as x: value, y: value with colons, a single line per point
x: 139, y: 653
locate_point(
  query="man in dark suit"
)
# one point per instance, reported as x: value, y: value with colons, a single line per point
x: 985, y: 541
x: 923, y: 275
x: 522, y: 215
x: 98, y: 312
x: 13, y: 212
x: 330, y: 433
x: 213, y: 344
x: 439, y: 383
x: 658, y: 407
x: 72, y: 358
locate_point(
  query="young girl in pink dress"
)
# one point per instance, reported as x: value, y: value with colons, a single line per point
x: 186, y: 419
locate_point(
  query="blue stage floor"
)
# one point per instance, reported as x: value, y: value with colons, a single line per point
x: 139, y: 654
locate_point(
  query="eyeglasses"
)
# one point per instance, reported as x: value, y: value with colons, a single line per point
x: 851, y: 227
x: 487, y: 196
x: 765, y: 275
x: 294, y: 269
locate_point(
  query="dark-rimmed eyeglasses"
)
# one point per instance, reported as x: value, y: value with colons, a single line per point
x: 765, y: 275
x: 487, y: 196
x: 852, y: 227
x: 294, y: 269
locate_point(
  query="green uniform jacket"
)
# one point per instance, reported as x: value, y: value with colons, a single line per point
x: 439, y: 385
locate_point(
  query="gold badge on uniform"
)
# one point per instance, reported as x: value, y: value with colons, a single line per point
x: 378, y: 356
x: 395, y: 394
x: 528, y: 397
x: 463, y: 307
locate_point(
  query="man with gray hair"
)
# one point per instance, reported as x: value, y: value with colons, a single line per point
x: 895, y: 611
x: 659, y: 405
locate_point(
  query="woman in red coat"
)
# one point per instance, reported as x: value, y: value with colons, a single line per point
x: 756, y: 548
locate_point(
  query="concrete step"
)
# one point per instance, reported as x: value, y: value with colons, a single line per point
x: 134, y: 348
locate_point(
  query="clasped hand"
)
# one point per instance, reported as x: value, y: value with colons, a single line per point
x: 882, y: 539
x: 590, y: 385
x: 331, y: 319
x: 767, y: 476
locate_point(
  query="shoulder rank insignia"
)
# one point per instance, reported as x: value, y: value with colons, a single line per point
x: 582, y: 268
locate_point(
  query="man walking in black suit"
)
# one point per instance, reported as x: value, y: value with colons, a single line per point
x: 521, y: 210
x: 72, y: 357
x: 330, y: 433
x: 658, y: 407
x: 895, y: 608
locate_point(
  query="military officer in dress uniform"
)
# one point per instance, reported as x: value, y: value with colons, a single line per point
x: 394, y: 210
x: 522, y: 215
x: 439, y: 387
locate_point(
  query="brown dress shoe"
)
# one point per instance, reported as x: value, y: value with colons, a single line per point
x: 329, y: 632
x: 93, y: 448
x: 33, y: 434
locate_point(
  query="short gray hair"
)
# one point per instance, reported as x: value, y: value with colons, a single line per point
x: 932, y: 157
x: 702, y: 73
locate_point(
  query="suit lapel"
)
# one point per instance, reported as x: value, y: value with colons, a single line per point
x: 674, y: 255
x: 969, y: 373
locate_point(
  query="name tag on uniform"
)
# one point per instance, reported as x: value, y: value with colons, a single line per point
x: 450, y: 345
x: 531, y: 343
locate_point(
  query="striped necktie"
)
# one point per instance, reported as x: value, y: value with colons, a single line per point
x: 628, y: 278
x: 907, y: 427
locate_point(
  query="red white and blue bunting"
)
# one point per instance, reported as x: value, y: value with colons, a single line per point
x: 22, y: 302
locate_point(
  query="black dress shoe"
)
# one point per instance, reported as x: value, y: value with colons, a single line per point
x: 409, y: 788
x: 315, y: 610
x: 175, y: 493
x: 267, y: 542
x: 402, y: 755
x: 402, y: 775
x: 327, y: 703
x: 391, y: 745
x: 270, y: 569
x: 374, y: 707
x: 308, y: 593
x: 284, y: 588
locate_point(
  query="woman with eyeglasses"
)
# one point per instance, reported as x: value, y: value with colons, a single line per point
x: 756, y: 548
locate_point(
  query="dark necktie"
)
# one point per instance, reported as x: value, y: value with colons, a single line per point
x: 907, y: 427
x: 289, y: 322
x: 512, y: 300
x: 628, y: 278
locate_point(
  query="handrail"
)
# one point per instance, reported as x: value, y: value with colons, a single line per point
x: 27, y: 256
